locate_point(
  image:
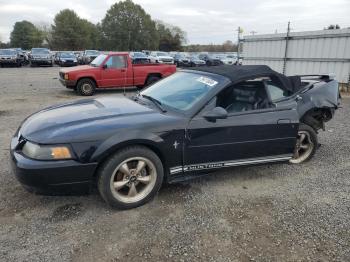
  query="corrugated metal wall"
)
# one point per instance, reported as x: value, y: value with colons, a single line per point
x: 312, y: 52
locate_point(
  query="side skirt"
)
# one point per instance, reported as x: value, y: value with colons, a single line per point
x: 231, y: 163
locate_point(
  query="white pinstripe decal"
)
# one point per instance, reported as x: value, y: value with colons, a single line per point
x: 214, y: 165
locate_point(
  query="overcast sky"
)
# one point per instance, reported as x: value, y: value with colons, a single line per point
x: 205, y: 21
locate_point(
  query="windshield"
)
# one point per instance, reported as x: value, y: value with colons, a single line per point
x: 67, y: 55
x: 162, y: 54
x: 98, y: 60
x: 181, y: 90
x: 40, y: 51
x: 7, y: 52
x: 92, y: 52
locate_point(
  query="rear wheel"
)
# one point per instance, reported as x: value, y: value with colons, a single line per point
x: 86, y: 87
x: 130, y: 178
x: 306, y: 145
x: 151, y: 80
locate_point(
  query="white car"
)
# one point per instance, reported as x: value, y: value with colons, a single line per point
x: 228, y: 59
x: 161, y: 57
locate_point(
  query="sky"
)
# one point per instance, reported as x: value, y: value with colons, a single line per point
x: 205, y: 21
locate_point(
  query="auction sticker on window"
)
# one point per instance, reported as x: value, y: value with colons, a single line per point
x: 207, y: 81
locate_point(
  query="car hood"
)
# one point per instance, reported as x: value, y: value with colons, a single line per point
x: 77, y: 68
x: 41, y: 55
x: 86, y: 120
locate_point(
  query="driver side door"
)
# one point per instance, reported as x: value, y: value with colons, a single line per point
x: 246, y: 137
x: 114, y: 73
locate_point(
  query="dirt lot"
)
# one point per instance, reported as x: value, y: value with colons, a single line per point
x: 275, y: 212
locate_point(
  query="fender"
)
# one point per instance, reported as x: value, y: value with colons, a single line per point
x: 120, y: 140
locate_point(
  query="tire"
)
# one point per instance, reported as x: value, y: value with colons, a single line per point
x: 152, y: 79
x: 306, y: 144
x: 124, y: 197
x: 86, y: 87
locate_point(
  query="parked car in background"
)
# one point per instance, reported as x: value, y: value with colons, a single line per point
x: 181, y: 60
x: 67, y: 59
x: 210, y: 59
x: 139, y: 58
x: 56, y: 57
x: 146, y: 52
x: 195, y: 61
x: 23, y: 56
x: 228, y: 59
x: 10, y: 57
x: 88, y: 56
x: 112, y: 70
x: 161, y: 57
x: 40, y: 56
x: 189, y: 124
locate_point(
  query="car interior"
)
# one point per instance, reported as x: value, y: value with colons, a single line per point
x: 244, y: 96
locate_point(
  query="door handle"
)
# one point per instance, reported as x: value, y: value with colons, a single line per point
x: 283, y: 121
x: 123, y: 70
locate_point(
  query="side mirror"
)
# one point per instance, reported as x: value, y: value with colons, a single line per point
x: 105, y: 66
x: 216, y: 113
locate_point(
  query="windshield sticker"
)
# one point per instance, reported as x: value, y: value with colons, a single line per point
x: 207, y: 81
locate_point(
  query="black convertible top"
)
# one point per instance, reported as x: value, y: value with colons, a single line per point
x: 237, y: 73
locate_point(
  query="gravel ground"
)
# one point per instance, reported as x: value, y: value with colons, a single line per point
x: 277, y: 212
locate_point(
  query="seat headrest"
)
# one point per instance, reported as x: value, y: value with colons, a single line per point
x: 244, y: 95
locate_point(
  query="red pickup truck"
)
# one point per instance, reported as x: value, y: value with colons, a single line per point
x: 112, y: 70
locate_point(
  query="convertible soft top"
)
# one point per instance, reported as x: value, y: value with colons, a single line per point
x: 237, y: 73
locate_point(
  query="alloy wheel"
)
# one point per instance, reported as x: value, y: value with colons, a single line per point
x: 133, y: 179
x: 303, y: 148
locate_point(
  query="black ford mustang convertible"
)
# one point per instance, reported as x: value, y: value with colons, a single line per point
x: 188, y: 124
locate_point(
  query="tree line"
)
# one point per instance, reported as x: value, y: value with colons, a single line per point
x: 125, y: 27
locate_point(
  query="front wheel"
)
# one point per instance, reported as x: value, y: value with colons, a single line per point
x: 86, y: 87
x: 130, y: 178
x: 306, y: 144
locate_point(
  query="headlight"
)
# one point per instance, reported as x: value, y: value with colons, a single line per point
x: 66, y: 76
x: 63, y: 60
x: 46, y: 152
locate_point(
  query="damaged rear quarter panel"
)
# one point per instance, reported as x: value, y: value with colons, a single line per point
x: 321, y: 96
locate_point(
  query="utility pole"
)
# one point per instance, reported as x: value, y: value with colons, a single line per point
x: 238, y: 42
x: 285, y: 59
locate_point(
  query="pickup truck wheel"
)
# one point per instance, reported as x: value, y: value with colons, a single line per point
x: 306, y: 145
x: 152, y: 79
x: 86, y: 87
x: 130, y: 178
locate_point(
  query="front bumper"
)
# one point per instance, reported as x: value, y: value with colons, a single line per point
x: 184, y: 64
x: 166, y: 62
x: 52, y: 177
x: 68, y: 83
x: 41, y: 61
x: 68, y: 63
x: 8, y: 61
